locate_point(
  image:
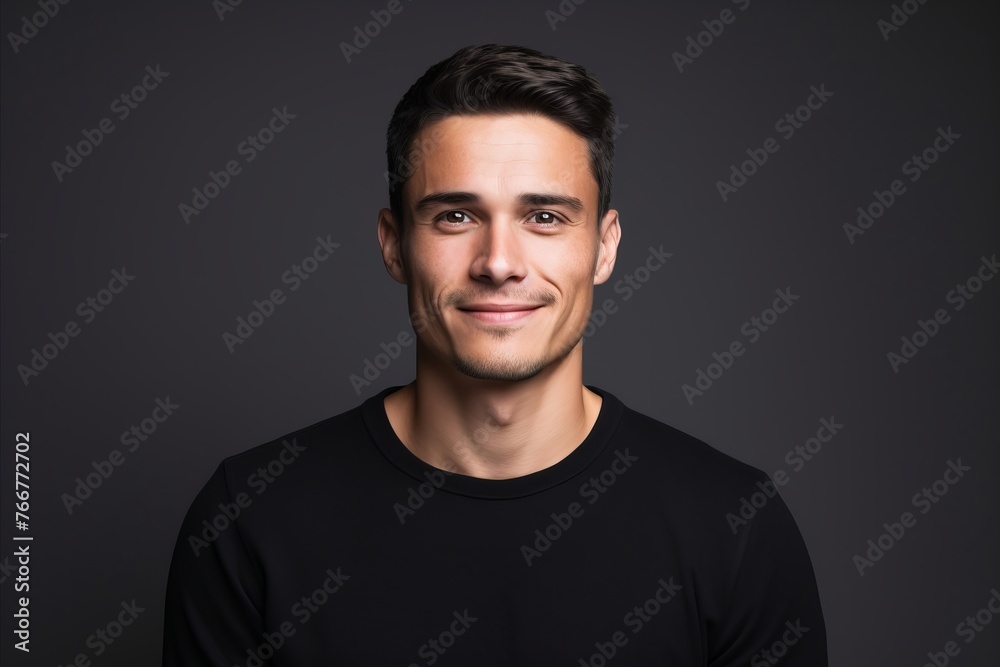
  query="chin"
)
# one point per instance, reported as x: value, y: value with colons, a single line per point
x: 504, y: 370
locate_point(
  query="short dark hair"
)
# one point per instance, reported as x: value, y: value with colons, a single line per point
x: 498, y: 79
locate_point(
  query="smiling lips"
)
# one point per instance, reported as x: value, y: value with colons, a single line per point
x: 500, y: 313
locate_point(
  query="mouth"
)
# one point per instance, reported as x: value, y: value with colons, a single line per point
x: 500, y: 313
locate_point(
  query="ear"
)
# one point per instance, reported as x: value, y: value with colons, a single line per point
x: 611, y: 234
x: 389, y: 242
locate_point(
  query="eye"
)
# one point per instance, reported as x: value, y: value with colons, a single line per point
x: 453, y: 217
x: 545, y: 218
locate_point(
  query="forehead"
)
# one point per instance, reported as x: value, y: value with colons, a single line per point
x: 503, y: 154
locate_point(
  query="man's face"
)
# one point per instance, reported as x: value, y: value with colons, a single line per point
x: 501, y: 246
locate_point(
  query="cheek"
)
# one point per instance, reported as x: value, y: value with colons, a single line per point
x: 432, y: 272
x: 572, y: 271
x: 440, y: 256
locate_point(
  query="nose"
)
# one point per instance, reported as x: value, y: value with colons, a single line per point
x: 499, y: 254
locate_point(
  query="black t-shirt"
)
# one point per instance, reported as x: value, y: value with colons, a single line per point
x: 335, y: 545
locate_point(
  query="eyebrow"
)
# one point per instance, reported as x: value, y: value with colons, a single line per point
x: 525, y: 199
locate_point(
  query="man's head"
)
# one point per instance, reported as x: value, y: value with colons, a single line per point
x: 496, y: 79
x: 500, y: 163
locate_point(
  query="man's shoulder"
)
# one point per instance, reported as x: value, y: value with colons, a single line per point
x: 320, y: 438
x: 681, y: 457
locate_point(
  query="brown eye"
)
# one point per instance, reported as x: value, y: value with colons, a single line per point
x: 545, y: 218
x: 454, y: 216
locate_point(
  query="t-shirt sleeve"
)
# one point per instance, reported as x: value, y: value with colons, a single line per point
x: 212, y: 614
x: 774, y: 611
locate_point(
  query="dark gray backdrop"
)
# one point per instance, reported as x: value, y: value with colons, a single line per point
x: 323, y: 176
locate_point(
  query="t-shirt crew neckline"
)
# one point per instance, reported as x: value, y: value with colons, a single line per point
x: 389, y: 444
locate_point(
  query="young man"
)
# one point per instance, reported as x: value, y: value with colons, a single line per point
x: 494, y: 511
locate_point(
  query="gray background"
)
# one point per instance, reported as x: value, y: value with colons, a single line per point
x: 323, y: 175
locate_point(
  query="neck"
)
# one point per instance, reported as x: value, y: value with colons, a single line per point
x: 494, y: 429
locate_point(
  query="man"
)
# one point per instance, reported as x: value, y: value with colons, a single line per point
x: 494, y: 511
